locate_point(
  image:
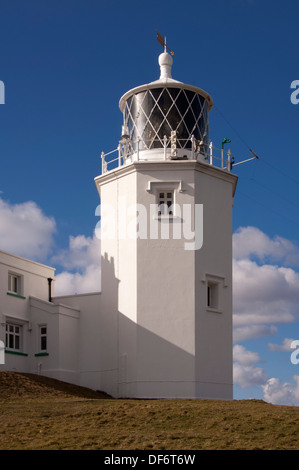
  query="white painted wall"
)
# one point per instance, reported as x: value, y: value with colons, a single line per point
x: 17, y: 308
x: 119, y: 285
x: 85, y: 345
x: 213, y: 329
x: 31, y: 310
x: 168, y: 342
x: 165, y: 274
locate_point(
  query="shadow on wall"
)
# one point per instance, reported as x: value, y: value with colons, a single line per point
x: 138, y: 363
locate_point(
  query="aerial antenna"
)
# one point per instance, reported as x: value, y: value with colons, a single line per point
x: 227, y: 141
x: 248, y: 160
x: 253, y: 153
x: 163, y: 42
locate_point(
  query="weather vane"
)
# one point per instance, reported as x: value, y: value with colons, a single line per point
x: 163, y: 42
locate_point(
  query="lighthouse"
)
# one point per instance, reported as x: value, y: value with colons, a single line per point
x: 166, y: 197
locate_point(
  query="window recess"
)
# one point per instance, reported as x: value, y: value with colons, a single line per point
x: 214, y: 286
x: 13, y: 337
x: 213, y: 295
x: 14, y: 283
x: 43, y: 339
x: 165, y: 203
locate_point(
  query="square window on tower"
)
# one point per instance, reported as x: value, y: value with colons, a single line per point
x: 215, y: 292
x: 165, y: 203
x: 212, y: 295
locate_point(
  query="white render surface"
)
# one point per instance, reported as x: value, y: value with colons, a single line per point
x: 83, y: 313
x: 170, y: 344
x: 16, y: 308
x: 73, y: 325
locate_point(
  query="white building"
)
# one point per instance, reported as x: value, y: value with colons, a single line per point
x: 57, y: 337
x: 162, y: 325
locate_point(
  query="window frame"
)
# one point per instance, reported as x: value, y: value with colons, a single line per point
x: 10, y: 331
x: 165, y: 187
x: 15, y: 283
x: 42, y: 335
x: 214, y: 294
x: 168, y: 211
x: 156, y: 187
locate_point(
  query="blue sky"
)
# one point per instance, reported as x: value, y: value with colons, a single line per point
x: 65, y: 64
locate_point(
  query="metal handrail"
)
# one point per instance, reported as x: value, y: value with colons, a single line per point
x: 127, y: 148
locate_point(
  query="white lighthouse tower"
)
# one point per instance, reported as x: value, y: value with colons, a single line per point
x: 166, y: 221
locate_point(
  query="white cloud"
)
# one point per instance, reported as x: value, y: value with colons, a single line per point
x: 82, y: 252
x: 89, y: 280
x: 282, y: 393
x: 251, y: 242
x: 285, y: 346
x: 243, y: 356
x: 82, y: 261
x: 248, y: 376
x: 25, y: 230
x: 265, y: 294
x: 242, y: 333
x: 245, y: 372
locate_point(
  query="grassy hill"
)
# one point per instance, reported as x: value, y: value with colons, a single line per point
x: 44, y: 414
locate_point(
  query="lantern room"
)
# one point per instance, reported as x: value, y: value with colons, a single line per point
x: 166, y: 114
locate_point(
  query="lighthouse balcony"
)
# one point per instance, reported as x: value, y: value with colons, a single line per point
x: 129, y: 152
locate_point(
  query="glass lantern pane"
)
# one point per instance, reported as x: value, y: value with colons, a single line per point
x: 190, y: 95
x: 165, y: 129
x: 156, y: 118
x: 156, y: 92
x: 182, y: 103
x: 165, y: 102
x: 148, y: 103
x: 174, y: 92
x: 189, y: 121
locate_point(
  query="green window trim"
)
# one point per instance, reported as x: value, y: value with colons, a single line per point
x: 17, y: 353
x: 16, y: 295
x: 41, y: 354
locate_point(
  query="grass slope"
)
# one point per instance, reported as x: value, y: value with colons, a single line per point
x: 38, y: 413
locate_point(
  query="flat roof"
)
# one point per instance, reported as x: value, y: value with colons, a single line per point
x: 26, y: 259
